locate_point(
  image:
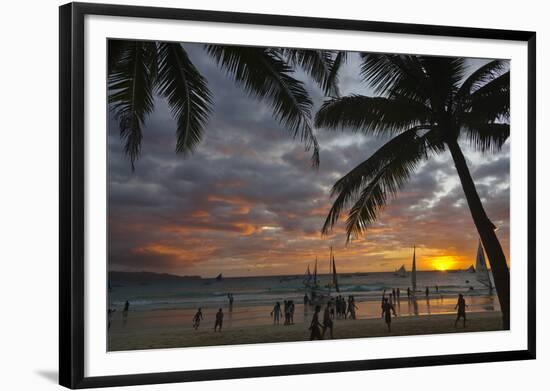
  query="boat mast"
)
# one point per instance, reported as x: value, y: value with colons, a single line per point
x: 315, y: 273
x: 413, y: 273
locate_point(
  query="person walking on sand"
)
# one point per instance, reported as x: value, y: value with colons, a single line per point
x: 287, y: 312
x: 314, y: 327
x: 291, y: 312
x: 408, y: 294
x: 197, y: 319
x: 461, y: 306
x: 125, y: 312
x: 276, y: 313
x: 344, y: 308
x: 219, y: 321
x: 387, y: 309
x: 327, y: 321
x: 427, y: 292
x: 351, y: 307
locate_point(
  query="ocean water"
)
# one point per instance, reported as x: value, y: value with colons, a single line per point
x: 189, y: 294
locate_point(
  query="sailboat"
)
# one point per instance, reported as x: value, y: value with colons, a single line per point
x: 317, y: 294
x: 401, y: 272
x: 482, y: 274
x: 471, y: 269
x: 219, y: 277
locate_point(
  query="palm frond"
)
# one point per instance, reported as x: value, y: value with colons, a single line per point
x: 130, y: 85
x: 263, y: 73
x: 480, y: 77
x: 370, y: 183
x: 395, y: 75
x: 487, y: 137
x: 491, y: 102
x: 187, y: 93
x: 317, y: 64
x: 115, y: 50
x: 339, y: 60
x: 371, y: 115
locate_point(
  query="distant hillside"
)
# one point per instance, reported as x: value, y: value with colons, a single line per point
x: 146, y: 277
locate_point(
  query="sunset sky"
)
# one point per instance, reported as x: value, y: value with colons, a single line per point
x: 248, y: 202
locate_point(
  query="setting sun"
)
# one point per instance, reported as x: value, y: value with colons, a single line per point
x: 443, y: 263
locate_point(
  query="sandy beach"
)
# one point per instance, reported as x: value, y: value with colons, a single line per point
x: 174, y: 336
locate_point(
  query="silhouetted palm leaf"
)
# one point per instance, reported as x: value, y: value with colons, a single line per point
x: 317, y: 64
x: 130, y: 84
x: 368, y: 185
x: 371, y: 115
x: 339, y: 60
x: 492, y: 101
x: 187, y: 94
x: 481, y: 77
x: 263, y: 73
x: 487, y: 137
x: 396, y: 75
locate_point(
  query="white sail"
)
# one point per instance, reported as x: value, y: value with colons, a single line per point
x: 482, y: 274
x: 413, y: 273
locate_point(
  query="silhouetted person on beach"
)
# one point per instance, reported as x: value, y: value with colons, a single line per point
x: 351, y: 307
x: 291, y: 309
x: 427, y: 291
x: 219, y: 320
x: 461, y: 306
x: 230, y: 297
x: 327, y: 322
x: 314, y: 327
x: 287, y: 312
x: 276, y: 313
x: 331, y: 305
x: 306, y: 299
x: 344, y: 308
x: 125, y: 312
x: 408, y: 293
x: 398, y: 295
x: 387, y: 309
x: 437, y: 289
x: 197, y: 319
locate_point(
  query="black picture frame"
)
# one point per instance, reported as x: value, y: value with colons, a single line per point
x: 71, y: 193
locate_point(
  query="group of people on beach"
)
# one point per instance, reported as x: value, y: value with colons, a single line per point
x: 343, y: 308
x: 336, y: 307
x: 287, y: 311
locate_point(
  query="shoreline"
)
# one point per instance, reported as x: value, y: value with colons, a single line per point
x: 179, y: 336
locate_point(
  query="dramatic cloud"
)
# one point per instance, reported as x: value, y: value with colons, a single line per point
x: 247, y: 202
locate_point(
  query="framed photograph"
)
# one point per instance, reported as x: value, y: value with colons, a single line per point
x: 247, y: 195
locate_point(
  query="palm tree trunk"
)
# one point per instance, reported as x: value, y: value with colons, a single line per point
x: 486, y: 231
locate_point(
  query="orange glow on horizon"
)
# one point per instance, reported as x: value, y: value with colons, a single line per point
x: 442, y: 263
